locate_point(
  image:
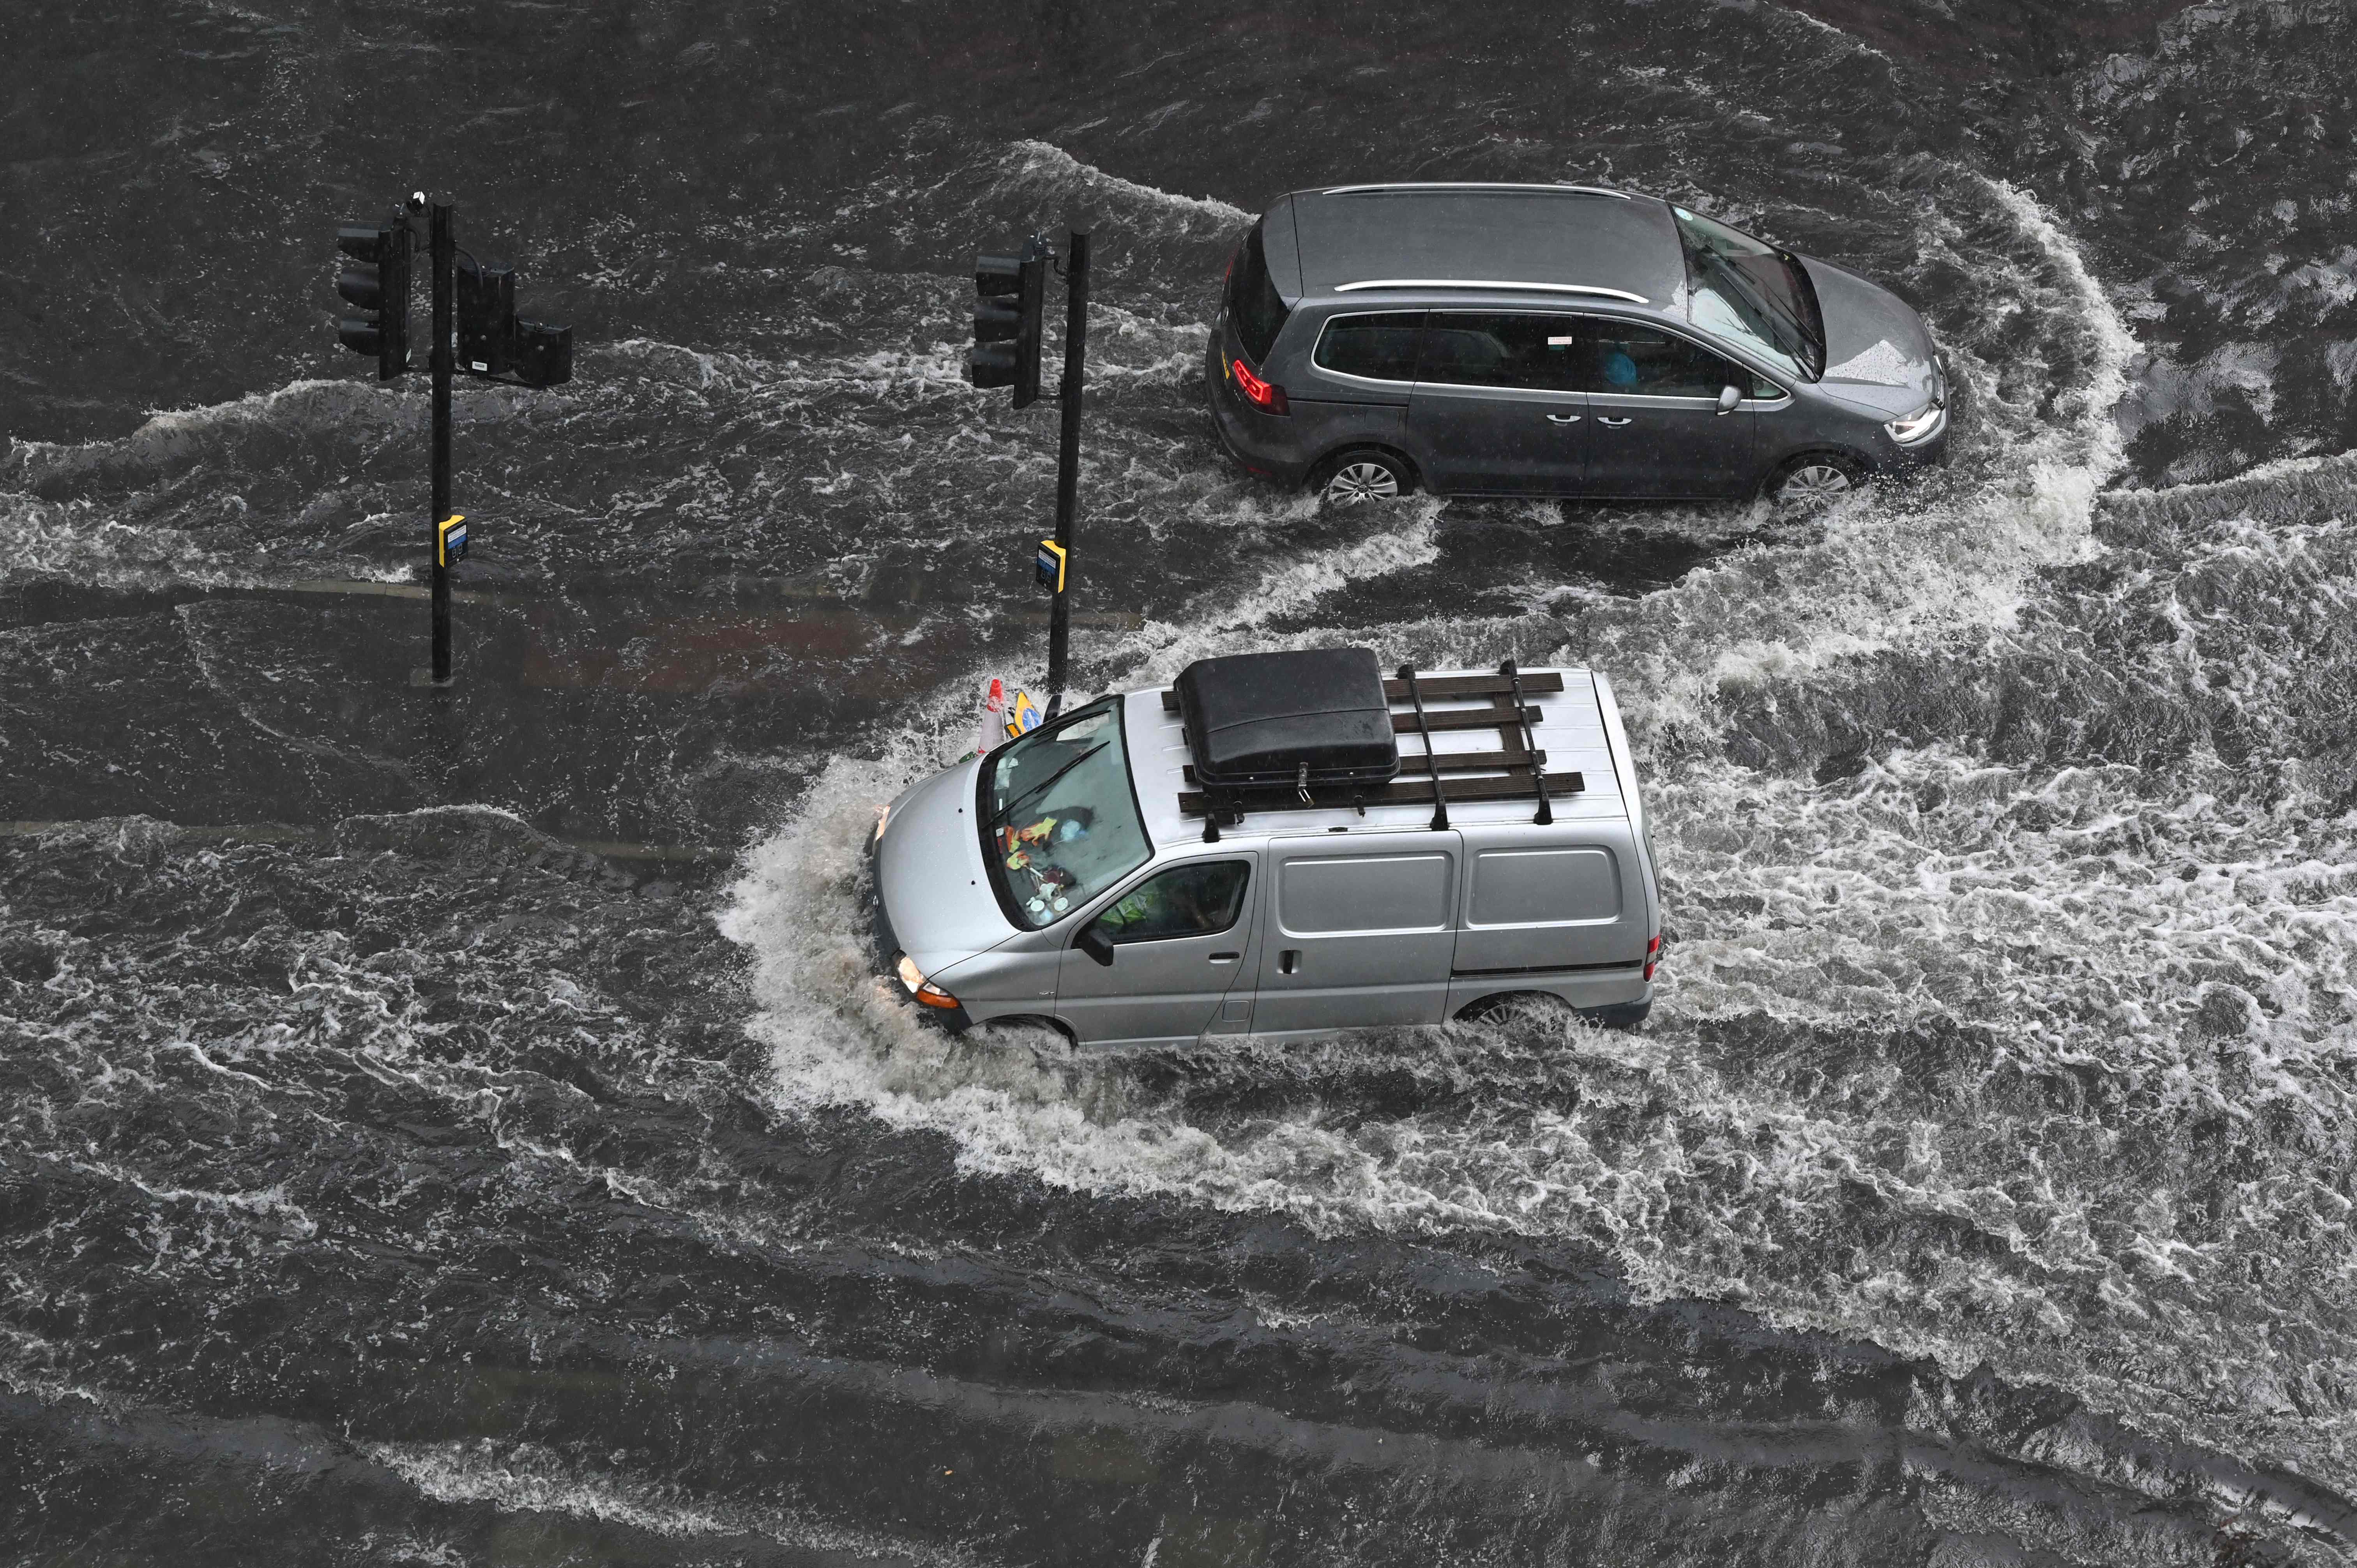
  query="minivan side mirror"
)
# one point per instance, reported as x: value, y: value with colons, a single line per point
x: 1096, y: 941
x: 1729, y: 399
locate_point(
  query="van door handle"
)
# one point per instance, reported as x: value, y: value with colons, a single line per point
x: 1563, y: 419
x: 1289, y: 961
x: 1607, y: 419
x: 1225, y: 957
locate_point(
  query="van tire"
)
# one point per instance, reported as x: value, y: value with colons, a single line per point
x: 1361, y: 474
x: 1813, y: 481
x: 1026, y: 1022
x: 1487, y: 1007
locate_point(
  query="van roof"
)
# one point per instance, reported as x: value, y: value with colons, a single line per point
x: 1573, y: 730
x: 1556, y: 236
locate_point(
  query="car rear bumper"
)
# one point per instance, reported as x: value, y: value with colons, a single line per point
x: 1255, y: 440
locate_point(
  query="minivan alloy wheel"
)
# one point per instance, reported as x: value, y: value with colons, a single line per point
x: 1363, y: 480
x: 1813, y: 485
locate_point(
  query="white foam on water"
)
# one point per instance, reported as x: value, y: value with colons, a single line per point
x: 528, y: 1478
x: 1033, y: 163
x: 1887, y: 571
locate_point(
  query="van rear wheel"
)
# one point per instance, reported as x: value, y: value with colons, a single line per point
x: 1505, y: 1006
x: 1362, y: 475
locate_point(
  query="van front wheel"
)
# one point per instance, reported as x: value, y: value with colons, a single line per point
x: 1364, y: 474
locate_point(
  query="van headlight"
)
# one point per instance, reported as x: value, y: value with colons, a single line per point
x: 1920, y: 426
x: 924, y: 989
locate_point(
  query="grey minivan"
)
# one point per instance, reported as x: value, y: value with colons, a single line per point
x: 1558, y: 340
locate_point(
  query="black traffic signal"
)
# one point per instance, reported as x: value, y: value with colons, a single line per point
x: 492, y: 342
x: 376, y: 281
x: 486, y: 303
x: 543, y: 356
x: 1010, y: 296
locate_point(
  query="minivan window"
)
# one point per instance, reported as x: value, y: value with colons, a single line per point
x: 1060, y: 821
x: 1381, y: 348
x: 1253, y: 304
x: 1648, y: 362
x: 1490, y: 349
x: 1201, y: 899
x: 1746, y: 289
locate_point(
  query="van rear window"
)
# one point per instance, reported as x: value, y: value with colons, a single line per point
x: 1253, y: 304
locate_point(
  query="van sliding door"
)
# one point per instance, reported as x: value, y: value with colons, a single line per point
x: 1356, y: 931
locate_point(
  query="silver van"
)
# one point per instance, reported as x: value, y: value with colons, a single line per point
x: 1558, y: 340
x: 1235, y: 856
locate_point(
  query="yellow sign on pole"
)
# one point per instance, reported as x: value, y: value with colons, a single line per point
x: 1050, y: 561
x: 450, y: 538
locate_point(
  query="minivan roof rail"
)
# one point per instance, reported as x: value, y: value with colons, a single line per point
x: 1502, y: 287
x: 1473, y: 185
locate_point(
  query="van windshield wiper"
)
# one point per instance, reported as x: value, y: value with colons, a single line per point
x: 1008, y: 810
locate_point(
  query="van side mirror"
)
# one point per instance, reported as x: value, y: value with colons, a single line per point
x: 1096, y: 941
x: 1729, y: 399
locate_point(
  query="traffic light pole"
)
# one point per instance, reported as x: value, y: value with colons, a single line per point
x: 1068, y: 460
x: 443, y: 248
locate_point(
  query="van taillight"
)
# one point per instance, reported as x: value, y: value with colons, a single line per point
x: 1266, y: 395
x: 1652, y: 955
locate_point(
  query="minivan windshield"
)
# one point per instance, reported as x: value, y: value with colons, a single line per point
x: 1253, y: 304
x: 1742, y: 288
x: 1060, y: 821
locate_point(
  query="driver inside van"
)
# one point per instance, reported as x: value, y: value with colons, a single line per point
x: 1160, y: 905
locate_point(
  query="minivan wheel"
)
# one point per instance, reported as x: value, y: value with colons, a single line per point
x: 1364, y: 474
x: 1813, y: 482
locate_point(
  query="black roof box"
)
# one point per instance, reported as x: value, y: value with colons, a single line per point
x: 1256, y: 718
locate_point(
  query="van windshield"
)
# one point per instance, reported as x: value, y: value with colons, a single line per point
x: 1743, y: 288
x: 1253, y: 304
x: 1060, y: 821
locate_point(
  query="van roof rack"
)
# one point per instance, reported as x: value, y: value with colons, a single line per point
x: 1516, y: 769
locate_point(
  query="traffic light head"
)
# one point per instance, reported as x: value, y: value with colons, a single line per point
x: 377, y: 286
x: 1010, y: 296
x: 487, y: 318
x: 543, y: 354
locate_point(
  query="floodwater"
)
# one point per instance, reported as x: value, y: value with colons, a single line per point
x: 460, y: 1127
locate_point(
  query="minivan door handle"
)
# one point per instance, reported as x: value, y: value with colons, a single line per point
x: 1225, y: 957
x: 1289, y: 961
x: 1607, y: 419
x: 1563, y: 419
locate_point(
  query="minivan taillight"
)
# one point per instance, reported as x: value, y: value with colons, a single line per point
x: 1652, y: 955
x: 1266, y: 397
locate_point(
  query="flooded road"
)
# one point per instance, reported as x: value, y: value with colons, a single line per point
x: 461, y: 1127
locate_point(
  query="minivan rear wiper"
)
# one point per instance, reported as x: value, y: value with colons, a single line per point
x: 1006, y: 811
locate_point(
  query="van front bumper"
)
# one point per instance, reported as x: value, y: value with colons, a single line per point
x: 884, y: 953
